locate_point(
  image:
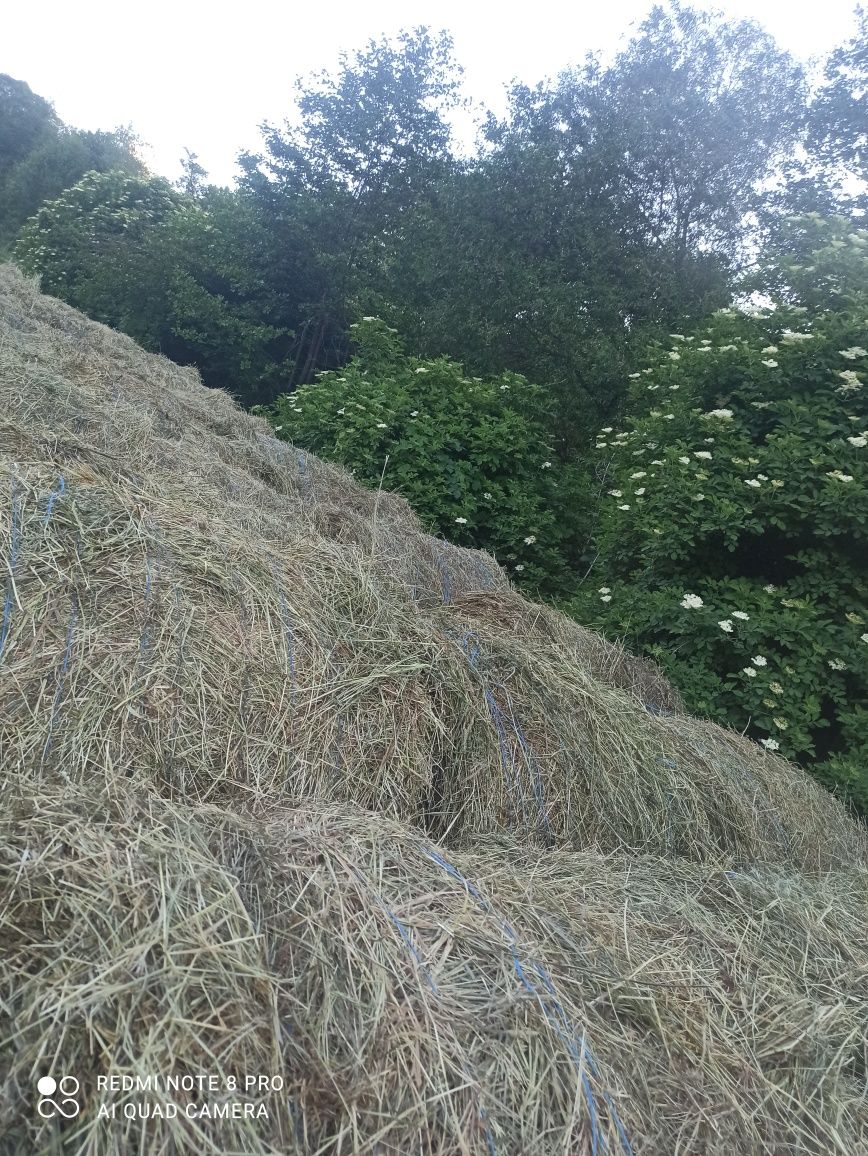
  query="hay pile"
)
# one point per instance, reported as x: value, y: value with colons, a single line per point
x: 294, y: 790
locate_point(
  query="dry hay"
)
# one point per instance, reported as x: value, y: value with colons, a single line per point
x: 294, y: 789
x: 417, y: 1001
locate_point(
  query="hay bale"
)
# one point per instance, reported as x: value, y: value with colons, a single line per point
x: 413, y: 1001
x: 296, y: 790
x: 193, y: 604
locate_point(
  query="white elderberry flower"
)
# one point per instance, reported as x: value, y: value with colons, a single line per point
x: 851, y: 381
x: 691, y: 602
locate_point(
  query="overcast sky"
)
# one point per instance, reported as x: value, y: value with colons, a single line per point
x: 201, y: 75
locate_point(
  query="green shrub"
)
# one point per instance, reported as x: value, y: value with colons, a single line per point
x: 473, y: 457
x: 733, y: 533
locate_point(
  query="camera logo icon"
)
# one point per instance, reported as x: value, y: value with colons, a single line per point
x: 57, y: 1097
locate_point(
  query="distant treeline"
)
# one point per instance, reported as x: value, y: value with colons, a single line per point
x: 606, y: 207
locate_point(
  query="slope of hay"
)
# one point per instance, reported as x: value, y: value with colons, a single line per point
x: 414, y: 1000
x: 194, y: 604
x: 292, y: 789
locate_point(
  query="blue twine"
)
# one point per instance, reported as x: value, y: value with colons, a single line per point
x: 581, y: 1056
x: 471, y: 648
x: 289, y: 634
x: 411, y: 948
x: 52, y: 498
x: 401, y: 929
x: 489, y: 1138
x: 7, y: 620
x: 304, y: 474
x: 445, y: 579
x: 484, y: 573
x: 14, y: 548
x: 64, y: 667
x: 145, y: 639
x: 534, y: 772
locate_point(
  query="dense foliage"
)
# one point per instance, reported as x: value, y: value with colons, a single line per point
x: 40, y: 156
x: 733, y: 532
x: 181, y: 274
x: 606, y: 207
x: 473, y: 456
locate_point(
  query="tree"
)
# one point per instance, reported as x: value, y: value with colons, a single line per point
x: 838, y: 115
x: 86, y: 244
x: 187, y: 277
x: 369, y: 141
x: 695, y: 114
x: 56, y: 162
x: 40, y: 156
x: 24, y: 119
x: 192, y: 180
x: 733, y: 533
x: 607, y: 206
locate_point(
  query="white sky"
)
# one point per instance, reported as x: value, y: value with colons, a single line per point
x: 184, y: 72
